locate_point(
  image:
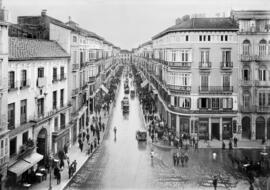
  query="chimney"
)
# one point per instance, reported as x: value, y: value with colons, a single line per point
x: 43, y: 12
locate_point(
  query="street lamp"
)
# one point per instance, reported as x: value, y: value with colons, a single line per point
x: 50, y: 169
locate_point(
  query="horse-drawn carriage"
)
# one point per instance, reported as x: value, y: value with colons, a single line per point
x: 125, y: 105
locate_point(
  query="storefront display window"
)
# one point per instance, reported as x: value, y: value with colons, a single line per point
x: 184, y: 126
x: 227, y: 128
x: 203, y: 128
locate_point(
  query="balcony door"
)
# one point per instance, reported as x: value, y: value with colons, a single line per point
x: 204, y: 82
x: 226, y: 82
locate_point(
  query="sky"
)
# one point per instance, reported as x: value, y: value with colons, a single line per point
x: 127, y: 23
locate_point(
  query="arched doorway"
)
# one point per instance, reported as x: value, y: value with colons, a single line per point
x: 42, y: 142
x: 246, y: 128
x: 268, y: 128
x: 260, y: 128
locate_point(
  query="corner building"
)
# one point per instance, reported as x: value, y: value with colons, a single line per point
x: 193, y: 70
x: 254, y: 59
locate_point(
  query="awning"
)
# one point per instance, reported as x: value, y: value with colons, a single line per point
x: 22, y: 165
x: 104, y: 89
x: 144, y: 83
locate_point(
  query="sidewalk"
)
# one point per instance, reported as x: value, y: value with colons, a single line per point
x: 241, y: 144
x: 74, y: 153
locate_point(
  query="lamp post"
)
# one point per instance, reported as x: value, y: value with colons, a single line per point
x: 50, y: 170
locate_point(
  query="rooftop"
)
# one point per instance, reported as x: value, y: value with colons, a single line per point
x: 27, y: 49
x: 201, y: 24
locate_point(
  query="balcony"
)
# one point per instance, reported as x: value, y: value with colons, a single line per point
x: 260, y: 83
x: 179, y: 65
x: 263, y: 109
x: 262, y: 57
x: 178, y: 109
x: 13, y: 86
x: 246, y: 83
x: 92, y: 79
x: 215, y: 89
x: 55, y: 79
x: 63, y: 130
x: 63, y: 76
x: 179, y: 89
x: 25, y: 84
x: 41, y: 82
x: 226, y: 65
x: 247, y: 58
x: 75, y: 67
x: 75, y: 92
x: 205, y: 65
x: 247, y: 109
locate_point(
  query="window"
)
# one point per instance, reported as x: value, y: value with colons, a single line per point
x: 262, y: 74
x: 200, y: 38
x: 2, y: 149
x: 205, y: 57
x: 221, y: 37
x: 227, y: 103
x: 81, y: 57
x: 246, y: 47
x: 174, y: 55
x: 226, y: 37
x: 54, y: 74
x: 40, y: 103
x: 187, y: 38
x: 23, y: 111
x: 74, y: 38
x: 62, y: 120
x: 204, y: 82
x: 11, y: 116
x: 23, y: 78
x: 11, y: 79
x: 204, y: 38
x: 62, y: 98
x: 226, y: 82
x: 246, y: 100
x: 13, y: 146
x: 40, y: 72
x: 262, y: 99
x: 56, y: 124
x: 262, y: 48
x: 268, y: 99
x: 62, y: 72
x: 204, y: 102
x: 226, y: 58
x: 25, y: 137
x: 54, y: 99
x: 246, y: 75
x: 215, y: 103
x: 209, y: 38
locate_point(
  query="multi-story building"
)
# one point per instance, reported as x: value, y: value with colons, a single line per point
x: 4, y: 138
x: 125, y: 56
x: 38, y: 108
x: 254, y: 72
x: 194, y: 70
x: 88, y: 66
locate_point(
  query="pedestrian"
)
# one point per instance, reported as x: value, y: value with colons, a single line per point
x: 84, y: 134
x: 81, y: 146
x: 152, y: 137
x: 66, y: 148
x: 58, y: 175
x: 87, y: 137
x: 98, y: 138
x: 91, y: 147
x: 223, y: 145
x: 75, y: 165
x: 193, y: 142
x: 70, y: 168
x: 235, y: 142
x: 214, y: 155
x: 62, y: 164
x: 182, y: 158
x: 95, y: 142
x: 186, y: 158
x: 92, y: 129
x: 215, y: 181
x: 68, y: 161
x: 174, y: 158
x: 196, y: 145
x: 99, y: 118
x: 230, y: 145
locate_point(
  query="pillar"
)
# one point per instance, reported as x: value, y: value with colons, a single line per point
x: 210, y: 128
x: 220, y: 129
x: 253, y: 127
x: 177, y: 125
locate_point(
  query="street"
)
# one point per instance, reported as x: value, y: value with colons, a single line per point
x: 122, y: 162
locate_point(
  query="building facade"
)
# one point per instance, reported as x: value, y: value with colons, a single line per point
x: 254, y: 73
x: 38, y: 107
x: 185, y: 59
x: 4, y: 137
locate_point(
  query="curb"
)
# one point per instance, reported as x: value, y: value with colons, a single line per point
x: 90, y: 156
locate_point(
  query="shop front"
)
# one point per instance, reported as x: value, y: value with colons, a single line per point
x: 203, y: 128
x: 227, y: 129
x: 60, y: 139
x: 184, y: 126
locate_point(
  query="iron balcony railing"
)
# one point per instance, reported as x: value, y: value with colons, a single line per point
x: 205, y: 65
x: 226, y: 65
x: 75, y: 67
x: 247, y: 57
x: 13, y: 85
x: 180, y: 89
x: 215, y: 89
x: 179, y: 65
x: 263, y: 57
x: 24, y: 84
x: 263, y: 109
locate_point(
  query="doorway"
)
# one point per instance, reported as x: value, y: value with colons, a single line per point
x: 215, y: 131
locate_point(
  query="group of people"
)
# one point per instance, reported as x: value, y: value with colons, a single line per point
x: 230, y: 144
x: 180, y: 157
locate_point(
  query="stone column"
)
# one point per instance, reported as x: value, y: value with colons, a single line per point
x: 210, y: 128
x: 177, y: 125
x: 220, y: 129
x: 253, y: 127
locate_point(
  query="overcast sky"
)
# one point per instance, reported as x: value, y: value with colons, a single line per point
x: 127, y: 23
